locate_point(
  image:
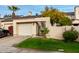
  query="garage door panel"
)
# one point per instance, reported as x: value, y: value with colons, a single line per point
x: 25, y: 29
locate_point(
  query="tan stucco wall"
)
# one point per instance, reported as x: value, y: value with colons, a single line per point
x: 0, y: 24
x: 5, y: 25
x: 57, y: 31
x: 46, y: 19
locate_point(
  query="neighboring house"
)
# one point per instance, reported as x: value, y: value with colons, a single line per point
x: 6, y: 23
x: 74, y: 16
x: 1, y: 19
x: 71, y: 15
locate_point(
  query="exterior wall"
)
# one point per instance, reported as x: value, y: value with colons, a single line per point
x: 32, y: 20
x: 5, y: 25
x: 34, y: 31
x: 57, y: 32
x: 0, y: 24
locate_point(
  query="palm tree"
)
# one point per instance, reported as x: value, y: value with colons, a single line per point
x: 13, y: 9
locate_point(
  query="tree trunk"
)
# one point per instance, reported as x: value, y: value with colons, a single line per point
x: 13, y: 14
x: 44, y: 35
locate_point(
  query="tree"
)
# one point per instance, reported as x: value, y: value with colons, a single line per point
x: 46, y: 8
x: 65, y: 21
x: 13, y: 9
x: 54, y: 14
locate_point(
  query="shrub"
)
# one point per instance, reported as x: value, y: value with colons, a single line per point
x: 44, y: 31
x: 70, y: 36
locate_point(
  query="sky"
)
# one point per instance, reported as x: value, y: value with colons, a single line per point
x: 24, y: 9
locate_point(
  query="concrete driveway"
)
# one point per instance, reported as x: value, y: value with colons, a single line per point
x: 6, y: 44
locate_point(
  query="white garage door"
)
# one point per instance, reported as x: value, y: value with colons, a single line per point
x: 25, y: 29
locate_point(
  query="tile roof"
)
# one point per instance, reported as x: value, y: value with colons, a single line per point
x: 24, y: 17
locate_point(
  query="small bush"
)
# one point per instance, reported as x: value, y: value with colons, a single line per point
x: 44, y: 31
x: 70, y: 35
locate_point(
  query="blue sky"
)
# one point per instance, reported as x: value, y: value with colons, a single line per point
x: 34, y: 8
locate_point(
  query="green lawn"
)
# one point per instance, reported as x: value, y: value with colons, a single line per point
x: 49, y: 45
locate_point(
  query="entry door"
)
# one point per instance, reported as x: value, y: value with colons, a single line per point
x: 25, y: 29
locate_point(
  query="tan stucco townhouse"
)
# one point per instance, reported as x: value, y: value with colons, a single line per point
x: 26, y: 26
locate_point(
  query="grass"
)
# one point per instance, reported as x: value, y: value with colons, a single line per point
x: 49, y: 45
